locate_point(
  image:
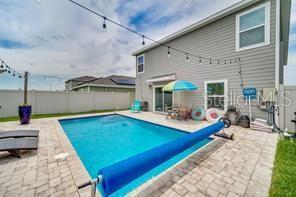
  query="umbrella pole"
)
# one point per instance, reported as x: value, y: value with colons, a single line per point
x: 179, y: 99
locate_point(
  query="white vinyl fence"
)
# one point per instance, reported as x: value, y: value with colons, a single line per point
x: 49, y: 102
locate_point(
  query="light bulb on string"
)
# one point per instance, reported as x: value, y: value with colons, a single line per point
x: 169, y: 52
x: 210, y: 61
x: 143, y: 40
x: 187, y: 57
x: 104, y: 25
x: 200, y: 62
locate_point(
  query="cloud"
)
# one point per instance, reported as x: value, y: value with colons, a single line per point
x: 290, y: 69
x: 293, y: 13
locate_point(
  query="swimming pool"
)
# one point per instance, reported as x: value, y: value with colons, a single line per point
x: 103, y: 140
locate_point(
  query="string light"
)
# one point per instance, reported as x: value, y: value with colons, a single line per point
x: 8, y: 69
x: 169, y: 52
x: 200, y: 62
x: 143, y: 36
x: 143, y: 41
x: 14, y: 73
x: 210, y: 61
x: 104, y: 24
x: 187, y: 57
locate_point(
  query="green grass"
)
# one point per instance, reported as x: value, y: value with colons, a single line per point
x: 15, y: 118
x: 284, y: 173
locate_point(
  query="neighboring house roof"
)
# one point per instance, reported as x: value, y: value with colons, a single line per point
x: 82, y: 79
x: 110, y: 81
x: 114, y: 80
x: 285, y: 21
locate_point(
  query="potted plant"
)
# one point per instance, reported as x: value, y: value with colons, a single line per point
x: 25, y: 110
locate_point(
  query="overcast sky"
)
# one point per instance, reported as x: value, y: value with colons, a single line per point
x: 56, y: 38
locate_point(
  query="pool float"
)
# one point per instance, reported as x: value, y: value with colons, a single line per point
x: 213, y: 114
x: 198, y: 113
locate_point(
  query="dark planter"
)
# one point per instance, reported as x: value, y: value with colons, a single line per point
x: 25, y: 113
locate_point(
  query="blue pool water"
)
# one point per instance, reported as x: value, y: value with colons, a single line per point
x: 103, y: 140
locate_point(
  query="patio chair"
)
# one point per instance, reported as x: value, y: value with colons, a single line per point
x: 136, y: 107
x: 172, y: 112
x: 18, y: 133
x: 15, y: 145
x: 185, y: 113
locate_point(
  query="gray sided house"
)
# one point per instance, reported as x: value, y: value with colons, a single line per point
x: 113, y: 83
x: 255, y: 31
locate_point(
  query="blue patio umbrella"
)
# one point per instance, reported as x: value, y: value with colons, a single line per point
x: 179, y: 86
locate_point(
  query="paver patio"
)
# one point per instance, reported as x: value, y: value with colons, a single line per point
x: 242, y: 167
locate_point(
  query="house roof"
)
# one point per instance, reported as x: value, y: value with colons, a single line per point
x: 110, y: 81
x: 285, y: 18
x: 82, y: 79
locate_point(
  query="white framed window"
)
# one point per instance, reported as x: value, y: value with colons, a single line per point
x: 253, y: 27
x: 216, y: 94
x: 140, y: 64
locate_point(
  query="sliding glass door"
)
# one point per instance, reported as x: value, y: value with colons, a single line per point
x: 162, y: 100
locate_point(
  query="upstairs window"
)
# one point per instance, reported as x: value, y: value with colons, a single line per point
x: 253, y: 27
x: 140, y: 64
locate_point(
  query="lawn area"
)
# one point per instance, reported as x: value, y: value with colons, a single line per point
x: 15, y: 118
x: 284, y: 174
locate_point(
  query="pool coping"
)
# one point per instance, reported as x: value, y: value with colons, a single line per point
x: 79, y: 172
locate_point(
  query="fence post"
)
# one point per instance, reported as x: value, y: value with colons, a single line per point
x: 129, y: 99
x: 281, y: 103
x: 94, y: 101
x: 113, y: 96
x: 33, y: 94
x: 67, y: 100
